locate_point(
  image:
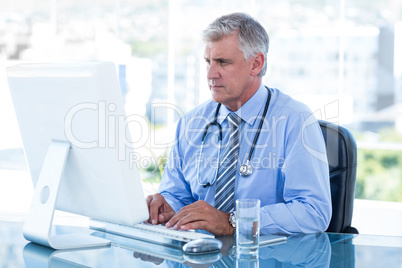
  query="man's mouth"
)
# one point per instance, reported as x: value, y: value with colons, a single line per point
x: 213, y: 85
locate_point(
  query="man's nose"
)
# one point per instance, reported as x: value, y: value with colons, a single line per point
x: 212, y: 71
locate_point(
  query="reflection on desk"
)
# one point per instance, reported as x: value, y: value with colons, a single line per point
x: 303, y: 250
x: 299, y: 251
x: 314, y: 250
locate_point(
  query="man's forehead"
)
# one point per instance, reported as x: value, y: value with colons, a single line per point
x: 223, y: 48
x: 216, y: 52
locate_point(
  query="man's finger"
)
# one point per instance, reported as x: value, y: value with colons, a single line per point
x: 192, y: 208
x: 176, y: 217
x: 187, y: 216
x: 154, y: 207
x: 196, y: 225
x: 164, y: 217
x: 148, y: 200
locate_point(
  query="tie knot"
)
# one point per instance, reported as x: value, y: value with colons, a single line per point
x: 234, y: 120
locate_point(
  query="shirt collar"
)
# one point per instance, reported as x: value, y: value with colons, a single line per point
x: 251, y: 109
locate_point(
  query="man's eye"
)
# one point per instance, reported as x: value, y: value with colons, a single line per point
x: 223, y: 62
x: 208, y: 62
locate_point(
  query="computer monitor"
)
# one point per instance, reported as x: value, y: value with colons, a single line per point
x: 77, y: 146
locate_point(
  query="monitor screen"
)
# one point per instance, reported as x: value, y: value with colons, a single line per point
x: 81, y: 104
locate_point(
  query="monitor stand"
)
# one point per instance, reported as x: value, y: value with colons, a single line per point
x: 39, y: 221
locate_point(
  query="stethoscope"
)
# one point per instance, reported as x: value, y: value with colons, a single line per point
x: 246, y: 169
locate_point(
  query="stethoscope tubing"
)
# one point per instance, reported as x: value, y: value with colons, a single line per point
x: 247, y: 166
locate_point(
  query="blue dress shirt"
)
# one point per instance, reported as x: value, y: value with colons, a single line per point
x: 290, y: 170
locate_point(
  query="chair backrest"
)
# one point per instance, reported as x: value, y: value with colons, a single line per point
x: 342, y: 160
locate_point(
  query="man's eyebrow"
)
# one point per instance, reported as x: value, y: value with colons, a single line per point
x: 221, y: 59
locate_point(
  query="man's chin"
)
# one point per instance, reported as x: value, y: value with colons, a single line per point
x: 216, y: 97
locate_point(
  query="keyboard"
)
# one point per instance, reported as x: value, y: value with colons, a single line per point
x: 149, y: 248
x: 146, y: 231
x: 171, y: 233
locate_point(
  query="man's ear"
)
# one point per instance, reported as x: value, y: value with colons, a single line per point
x: 258, y: 63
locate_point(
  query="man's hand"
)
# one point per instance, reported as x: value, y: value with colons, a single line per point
x: 201, y: 215
x: 159, y: 210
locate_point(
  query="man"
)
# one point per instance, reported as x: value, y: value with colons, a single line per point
x: 288, y: 160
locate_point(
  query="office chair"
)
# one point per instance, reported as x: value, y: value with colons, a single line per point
x: 342, y: 161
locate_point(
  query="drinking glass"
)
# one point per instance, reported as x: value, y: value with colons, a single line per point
x: 247, y: 226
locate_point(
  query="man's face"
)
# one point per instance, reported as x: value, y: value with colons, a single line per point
x: 229, y: 74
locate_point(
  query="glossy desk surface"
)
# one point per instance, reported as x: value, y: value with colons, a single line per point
x: 317, y: 250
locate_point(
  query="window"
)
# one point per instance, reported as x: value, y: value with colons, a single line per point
x: 349, y: 52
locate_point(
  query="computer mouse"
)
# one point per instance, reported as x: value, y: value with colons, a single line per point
x: 202, y: 246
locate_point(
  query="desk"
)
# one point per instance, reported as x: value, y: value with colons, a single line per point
x: 317, y: 250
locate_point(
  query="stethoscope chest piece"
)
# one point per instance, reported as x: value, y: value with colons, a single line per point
x: 246, y: 169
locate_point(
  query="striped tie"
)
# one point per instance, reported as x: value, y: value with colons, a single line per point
x: 224, y: 192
